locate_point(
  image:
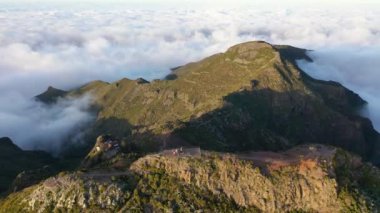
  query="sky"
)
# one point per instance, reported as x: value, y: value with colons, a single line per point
x: 66, y: 44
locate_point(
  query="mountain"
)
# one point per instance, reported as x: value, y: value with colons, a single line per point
x: 251, y: 97
x: 241, y: 131
x: 51, y: 95
x: 13, y: 160
x: 307, y: 178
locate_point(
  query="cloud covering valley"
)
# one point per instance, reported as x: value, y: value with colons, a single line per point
x: 67, y: 48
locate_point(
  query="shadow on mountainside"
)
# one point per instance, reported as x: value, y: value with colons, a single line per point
x: 280, y: 108
x: 120, y: 128
x: 256, y: 119
x: 268, y: 120
x: 13, y: 160
x: 142, y: 141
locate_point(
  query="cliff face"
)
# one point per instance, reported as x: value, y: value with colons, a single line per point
x: 309, y: 178
x: 251, y: 97
x: 303, y: 178
x: 110, y: 191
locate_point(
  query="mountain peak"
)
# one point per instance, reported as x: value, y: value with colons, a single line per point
x: 51, y: 95
x: 7, y: 143
x: 249, y: 46
x: 51, y: 88
x: 141, y: 81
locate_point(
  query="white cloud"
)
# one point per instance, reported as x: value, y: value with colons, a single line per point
x: 82, y: 45
x: 190, y: 4
x: 69, y: 47
x: 34, y: 125
x: 356, y: 68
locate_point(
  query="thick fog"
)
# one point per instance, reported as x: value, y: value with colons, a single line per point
x: 33, y: 125
x: 356, y: 68
x: 67, y: 48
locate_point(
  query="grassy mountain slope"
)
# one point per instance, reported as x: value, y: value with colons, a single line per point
x: 251, y: 97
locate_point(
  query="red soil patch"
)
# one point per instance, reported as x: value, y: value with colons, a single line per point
x: 305, y: 157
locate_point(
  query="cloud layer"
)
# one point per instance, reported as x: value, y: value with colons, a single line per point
x: 356, y: 68
x: 33, y: 125
x: 67, y: 48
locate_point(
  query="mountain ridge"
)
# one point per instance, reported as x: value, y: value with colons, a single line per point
x: 268, y: 137
x: 264, y: 73
x: 307, y: 178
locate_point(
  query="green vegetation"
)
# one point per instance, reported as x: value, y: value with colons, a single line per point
x: 212, y: 182
x: 292, y: 187
x: 358, y: 182
x: 14, y: 202
x: 252, y: 97
x: 159, y: 192
x: 155, y: 191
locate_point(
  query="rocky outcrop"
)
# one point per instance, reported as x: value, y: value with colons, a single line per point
x: 110, y: 191
x: 105, y: 148
x: 308, y: 178
x: 302, y: 178
x: 69, y: 192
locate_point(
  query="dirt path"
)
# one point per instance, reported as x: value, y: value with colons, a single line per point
x: 295, y: 156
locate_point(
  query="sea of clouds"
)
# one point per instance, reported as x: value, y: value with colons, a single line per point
x: 67, y: 48
x: 33, y: 125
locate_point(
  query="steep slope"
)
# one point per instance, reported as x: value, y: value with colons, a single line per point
x: 13, y: 160
x: 251, y: 97
x: 311, y: 178
x: 308, y: 178
x: 109, y: 191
